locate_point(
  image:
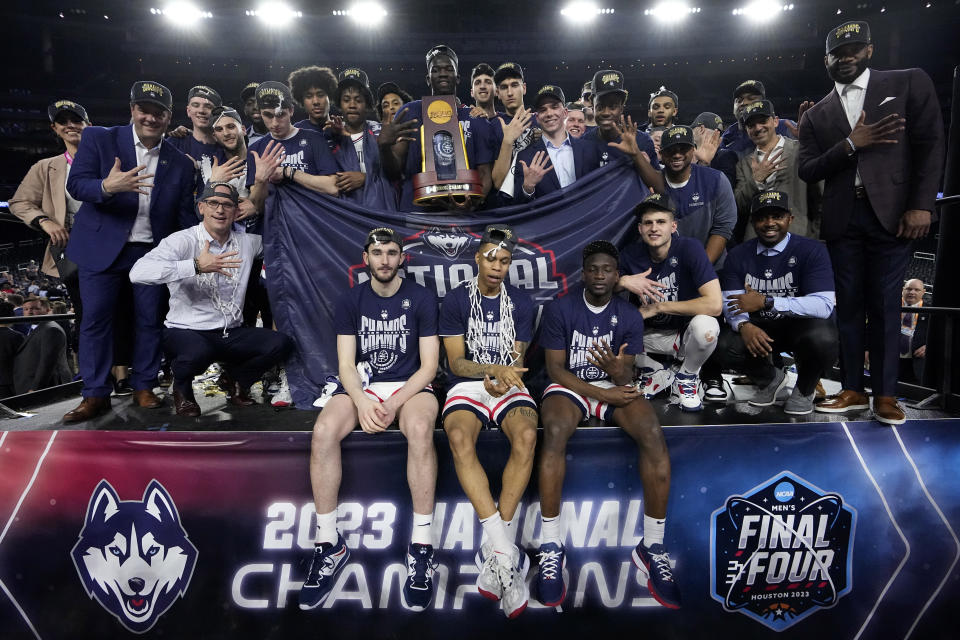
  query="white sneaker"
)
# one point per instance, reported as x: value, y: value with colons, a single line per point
x: 282, y: 397
x: 653, y: 383
x: 512, y: 572
x: 686, y: 389
x: 488, y: 582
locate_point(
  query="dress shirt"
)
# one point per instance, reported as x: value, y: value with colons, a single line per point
x: 852, y: 97
x: 141, y: 231
x: 192, y: 306
x: 562, y: 159
x: 814, y: 305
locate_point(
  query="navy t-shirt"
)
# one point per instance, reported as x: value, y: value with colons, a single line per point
x: 705, y: 205
x: 306, y: 151
x: 481, y: 145
x: 455, y: 317
x: 608, y: 153
x: 802, y: 268
x: 683, y: 272
x: 569, y: 325
x: 388, y: 330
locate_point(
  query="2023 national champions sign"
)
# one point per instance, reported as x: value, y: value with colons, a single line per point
x: 789, y: 531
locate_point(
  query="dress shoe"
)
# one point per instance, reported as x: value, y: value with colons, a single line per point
x: 846, y: 400
x: 887, y: 410
x: 239, y: 397
x: 147, y: 399
x: 185, y: 404
x: 820, y: 392
x: 88, y: 409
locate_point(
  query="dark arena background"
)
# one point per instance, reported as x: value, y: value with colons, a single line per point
x: 779, y: 526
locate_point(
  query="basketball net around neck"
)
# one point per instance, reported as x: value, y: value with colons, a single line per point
x: 506, y: 346
x: 210, y: 282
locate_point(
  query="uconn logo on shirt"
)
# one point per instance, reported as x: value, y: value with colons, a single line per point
x: 296, y: 160
x: 784, y: 286
x: 382, y: 338
x: 580, y: 345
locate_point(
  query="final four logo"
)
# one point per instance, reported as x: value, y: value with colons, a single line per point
x: 133, y: 556
x: 781, y: 551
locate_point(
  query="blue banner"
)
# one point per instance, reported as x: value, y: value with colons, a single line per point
x: 313, y: 245
x: 816, y: 530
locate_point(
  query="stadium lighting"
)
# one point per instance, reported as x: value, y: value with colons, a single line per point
x: 582, y: 12
x: 368, y: 14
x: 275, y: 14
x: 762, y: 10
x: 183, y: 14
x: 671, y: 11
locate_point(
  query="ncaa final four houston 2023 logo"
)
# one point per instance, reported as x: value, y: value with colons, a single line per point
x: 781, y: 551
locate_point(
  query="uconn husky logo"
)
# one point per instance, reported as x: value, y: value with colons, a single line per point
x: 133, y: 556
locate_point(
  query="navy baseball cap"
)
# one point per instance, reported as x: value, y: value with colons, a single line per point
x: 222, y: 189
x: 762, y: 108
x: 677, y: 134
x: 709, y: 120
x: 663, y: 91
x: 443, y: 50
x: 769, y: 200
x: 358, y: 78
x: 855, y: 31
x: 654, y: 202
x: 60, y: 106
x: 608, y: 81
x: 147, y: 91
x: 749, y: 86
x: 507, y: 70
x: 248, y: 91
x: 501, y: 235
x: 383, y: 235
x: 273, y: 95
x: 203, y: 91
x: 549, y: 91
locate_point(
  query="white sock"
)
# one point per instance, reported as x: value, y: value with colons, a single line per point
x: 511, y: 527
x: 327, y: 527
x: 421, y: 528
x: 496, y: 531
x: 550, y: 530
x: 653, y: 530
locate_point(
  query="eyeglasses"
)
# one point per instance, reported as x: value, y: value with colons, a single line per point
x: 215, y: 204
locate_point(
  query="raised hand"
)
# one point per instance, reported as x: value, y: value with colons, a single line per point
x: 268, y: 163
x: 774, y: 161
x: 708, y: 146
x: 627, y: 129
x: 648, y: 290
x: 601, y: 355
x: 519, y: 123
x: 245, y: 209
x: 118, y: 181
x: 394, y: 132
x: 334, y: 126
x: 883, y: 131
x: 217, y: 262
x: 229, y: 170
x: 533, y: 173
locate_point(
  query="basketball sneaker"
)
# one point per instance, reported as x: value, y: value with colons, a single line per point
x: 512, y: 572
x: 654, y: 563
x: 686, y: 389
x: 418, y: 588
x: 550, y: 585
x: 326, y: 563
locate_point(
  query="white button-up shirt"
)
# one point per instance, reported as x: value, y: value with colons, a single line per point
x: 852, y: 97
x: 141, y: 231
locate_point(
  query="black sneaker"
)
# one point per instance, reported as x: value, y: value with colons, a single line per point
x: 654, y: 563
x: 713, y: 391
x: 418, y: 588
x: 122, y: 387
x: 327, y: 562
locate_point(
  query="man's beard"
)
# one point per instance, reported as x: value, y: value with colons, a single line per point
x: 860, y: 67
x: 376, y: 275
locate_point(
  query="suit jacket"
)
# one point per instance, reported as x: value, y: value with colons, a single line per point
x: 804, y: 198
x: 41, y: 361
x: 43, y: 193
x: 102, y: 224
x: 10, y: 343
x: 585, y: 159
x: 897, y: 177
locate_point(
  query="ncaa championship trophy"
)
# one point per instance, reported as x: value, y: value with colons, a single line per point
x: 445, y: 177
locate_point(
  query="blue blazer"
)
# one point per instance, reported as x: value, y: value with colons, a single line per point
x: 102, y: 224
x: 585, y: 160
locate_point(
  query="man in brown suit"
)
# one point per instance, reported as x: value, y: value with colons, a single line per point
x: 877, y: 141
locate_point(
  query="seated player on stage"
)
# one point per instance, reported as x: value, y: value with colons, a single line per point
x: 679, y: 295
x: 780, y: 296
x: 389, y: 323
x: 206, y: 268
x: 486, y: 326
x: 590, y: 339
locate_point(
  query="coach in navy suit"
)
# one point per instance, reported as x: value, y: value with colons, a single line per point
x: 877, y: 142
x: 135, y: 191
x: 557, y: 159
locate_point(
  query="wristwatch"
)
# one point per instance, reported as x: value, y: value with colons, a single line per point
x: 767, y: 303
